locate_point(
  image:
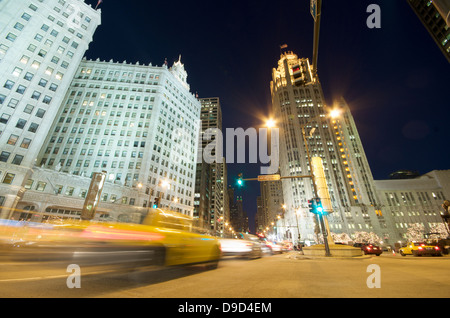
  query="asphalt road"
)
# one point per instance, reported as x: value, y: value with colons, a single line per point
x: 278, y: 276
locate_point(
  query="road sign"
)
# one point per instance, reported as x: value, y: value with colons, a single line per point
x: 313, y: 8
x: 269, y: 177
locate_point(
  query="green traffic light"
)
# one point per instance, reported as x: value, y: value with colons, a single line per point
x: 240, y: 182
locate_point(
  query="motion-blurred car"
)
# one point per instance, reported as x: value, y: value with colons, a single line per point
x: 419, y: 249
x: 369, y: 248
x: 245, y: 245
x: 162, y: 238
x: 275, y: 248
x: 372, y: 249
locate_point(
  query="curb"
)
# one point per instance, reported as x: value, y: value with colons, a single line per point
x: 299, y: 256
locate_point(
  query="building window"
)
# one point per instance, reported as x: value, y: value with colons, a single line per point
x: 28, y: 109
x: 16, y: 72
x: 69, y: 191
x: 29, y: 184
x: 53, y: 87
x: 8, y: 84
x: 8, y: 179
x: 36, y: 95
x: 38, y: 37
x: 24, y: 59
x: 13, y: 103
x: 12, y: 139
x: 33, y: 127
x: 4, y: 156
x: 47, y: 99
x: 41, y: 186
x: 25, y: 143
x: 21, y: 89
x: 40, y: 113
x: 17, y: 160
x: 28, y: 76
x: 11, y: 36
x: 4, y: 118
x: 21, y: 123
x: 26, y: 16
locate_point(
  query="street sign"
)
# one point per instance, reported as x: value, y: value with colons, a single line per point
x: 313, y: 8
x: 269, y: 177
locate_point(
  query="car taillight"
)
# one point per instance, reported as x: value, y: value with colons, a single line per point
x: 420, y: 248
x: 436, y: 248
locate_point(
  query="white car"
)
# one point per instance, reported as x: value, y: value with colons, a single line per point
x: 245, y: 245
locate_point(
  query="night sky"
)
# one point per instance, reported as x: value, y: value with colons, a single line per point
x: 395, y: 79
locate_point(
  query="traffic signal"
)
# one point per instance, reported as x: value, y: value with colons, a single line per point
x: 319, y: 207
x: 240, y: 181
x: 156, y: 203
x: 311, y: 206
x: 315, y: 206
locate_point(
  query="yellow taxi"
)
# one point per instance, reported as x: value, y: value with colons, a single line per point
x: 419, y: 249
x: 163, y: 237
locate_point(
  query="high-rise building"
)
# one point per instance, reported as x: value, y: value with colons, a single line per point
x: 414, y: 200
x: 41, y: 46
x: 271, y: 204
x: 299, y: 105
x: 64, y: 118
x: 139, y: 123
x: 435, y: 16
x: 202, y: 195
x: 211, y: 120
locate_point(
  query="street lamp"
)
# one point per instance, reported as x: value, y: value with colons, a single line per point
x: 270, y: 123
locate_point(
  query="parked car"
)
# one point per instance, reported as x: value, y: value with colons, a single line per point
x: 420, y: 248
x: 369, y: 248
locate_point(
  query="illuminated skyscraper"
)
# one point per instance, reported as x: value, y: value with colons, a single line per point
x: 435, y: 16
x: 41, y: 46
x: 139, y: 123
x: 298, y: 103
x: 216, y: 186
x: 64, y: 118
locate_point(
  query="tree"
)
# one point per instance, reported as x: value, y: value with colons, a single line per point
x: 365, y: 237
x: 415, y: 232
x: 438, y: 231
x: 340, y: 237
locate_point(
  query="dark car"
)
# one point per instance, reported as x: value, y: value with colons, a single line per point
x: 369, y: 248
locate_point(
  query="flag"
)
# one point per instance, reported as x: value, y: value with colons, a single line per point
x: 98, y: 3
x: 283, y: 46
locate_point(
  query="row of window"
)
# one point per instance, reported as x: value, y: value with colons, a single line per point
x: 407, y: 198
x: 81, y: 193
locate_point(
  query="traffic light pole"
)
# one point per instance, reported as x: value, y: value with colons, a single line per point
x: 316, y: 195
